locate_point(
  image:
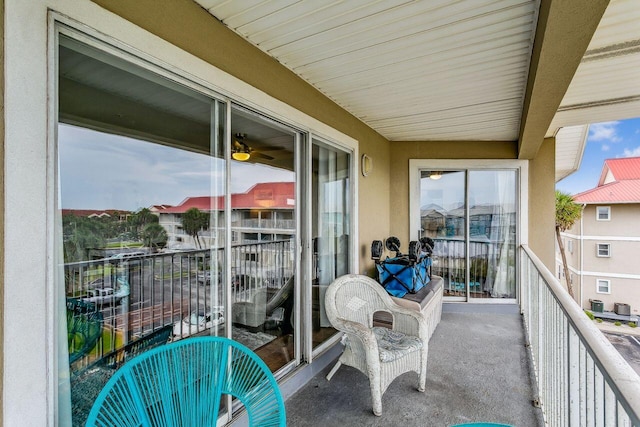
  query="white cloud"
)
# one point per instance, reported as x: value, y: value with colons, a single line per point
x: 605, y: 147
x: 632, y: 153
x: 605, y: 131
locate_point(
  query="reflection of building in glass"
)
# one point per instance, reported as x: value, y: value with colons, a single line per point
x: 265, y: 212
x: 491, y: 248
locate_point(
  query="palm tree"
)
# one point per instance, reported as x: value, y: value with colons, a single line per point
x: 154, y: 236
x: 567, y: 213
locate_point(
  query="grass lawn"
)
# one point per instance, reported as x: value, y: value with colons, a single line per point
x: 117, y: 245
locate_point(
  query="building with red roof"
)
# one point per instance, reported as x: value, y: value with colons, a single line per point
x: 603, y: 247
x: 264, y: 212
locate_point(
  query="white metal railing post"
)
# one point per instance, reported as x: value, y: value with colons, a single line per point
x: 582, y: 379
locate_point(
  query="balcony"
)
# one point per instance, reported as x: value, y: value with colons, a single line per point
x: 490, y: 363
x: 478, y: 370
x: 521, y: 365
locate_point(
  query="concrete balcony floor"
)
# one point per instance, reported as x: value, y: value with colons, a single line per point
x: 478, y: 370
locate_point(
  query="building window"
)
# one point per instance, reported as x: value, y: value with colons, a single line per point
x: 604, y: 250
x: 603, y: 286
x: 570, y: 245
x: 603, y: 213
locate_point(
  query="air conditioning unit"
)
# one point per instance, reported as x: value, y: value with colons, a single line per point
x: 622, y: 309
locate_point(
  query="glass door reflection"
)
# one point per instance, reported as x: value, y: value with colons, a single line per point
x: 264, y: 230
x: 443, y: 218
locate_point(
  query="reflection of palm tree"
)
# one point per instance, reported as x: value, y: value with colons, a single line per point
x: 80, y: 235
x: 193, y: 221
x: 154, y: 236
x: 141, y: 219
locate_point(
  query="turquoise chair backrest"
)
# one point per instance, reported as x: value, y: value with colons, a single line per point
x: 182, y: 383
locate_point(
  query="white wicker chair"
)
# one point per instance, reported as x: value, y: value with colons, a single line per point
x: 379, y: 353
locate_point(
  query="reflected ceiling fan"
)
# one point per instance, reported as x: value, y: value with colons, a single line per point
x: 242, y: 151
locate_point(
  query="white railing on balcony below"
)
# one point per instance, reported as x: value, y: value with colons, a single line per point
x: 582, y: 379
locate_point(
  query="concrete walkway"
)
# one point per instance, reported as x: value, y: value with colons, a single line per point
x: 478, y: 370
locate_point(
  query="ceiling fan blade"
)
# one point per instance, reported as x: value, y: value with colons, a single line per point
x: 260, y: 155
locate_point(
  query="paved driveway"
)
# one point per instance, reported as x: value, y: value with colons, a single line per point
x: 628, y: 346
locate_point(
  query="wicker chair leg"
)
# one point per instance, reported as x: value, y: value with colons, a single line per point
x: 376, y: 398
x: 422, y: 378
x: 334, y: 370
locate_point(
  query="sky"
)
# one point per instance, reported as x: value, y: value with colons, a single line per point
x: 103, y: 171
x: 608, y: 140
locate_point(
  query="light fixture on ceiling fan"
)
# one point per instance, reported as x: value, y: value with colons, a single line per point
x: 240, y: 150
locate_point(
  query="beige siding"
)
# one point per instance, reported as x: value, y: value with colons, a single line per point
x: 624, y: 221
x: 625, y: 291
x: 622, y: 233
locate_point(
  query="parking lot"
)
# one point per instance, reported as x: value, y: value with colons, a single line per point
x: 628, y: 346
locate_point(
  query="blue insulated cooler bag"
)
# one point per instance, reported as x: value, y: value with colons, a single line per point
x: 400, y: 275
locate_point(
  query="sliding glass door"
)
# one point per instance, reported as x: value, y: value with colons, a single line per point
x: 330, y: 228
x: 263, y: 187
x: 177, y: 215
x: 472, y: 217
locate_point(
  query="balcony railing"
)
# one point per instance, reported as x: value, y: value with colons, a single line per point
x: 279, y: 224
x: 142, y: 294
x: 582, y: 379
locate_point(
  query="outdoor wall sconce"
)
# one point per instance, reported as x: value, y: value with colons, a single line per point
x: 366, y: 165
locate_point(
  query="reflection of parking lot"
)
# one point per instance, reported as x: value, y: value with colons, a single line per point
x: 629, y: 348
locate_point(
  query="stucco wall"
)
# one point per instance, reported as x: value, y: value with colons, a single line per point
x: 542, y: 203
x: 188, y: 26
x: 401, y: 152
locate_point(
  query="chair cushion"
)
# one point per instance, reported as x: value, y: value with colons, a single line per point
x: 393, y: 345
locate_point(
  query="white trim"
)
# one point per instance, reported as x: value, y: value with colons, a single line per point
x: 608, y: 218
x: 613, y: 238
x: 608, y: 246
x: 598, y: 291
x: 601, y: 273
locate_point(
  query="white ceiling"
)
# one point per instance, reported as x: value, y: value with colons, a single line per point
x: 411, y: 70
x: 442, y: 69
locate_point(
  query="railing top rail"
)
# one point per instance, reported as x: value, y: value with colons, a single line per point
x: 622, y: 378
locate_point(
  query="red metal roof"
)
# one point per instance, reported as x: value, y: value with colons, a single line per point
x: 265, y: 195
x: 621, y: 169
x: 626, y: 191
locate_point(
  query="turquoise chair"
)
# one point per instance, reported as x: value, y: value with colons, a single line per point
x: 182, y: 383
x: 84, y: 328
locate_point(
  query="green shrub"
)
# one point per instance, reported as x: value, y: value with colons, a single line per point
x: 599, y: 320
x: 618, y: 323
x: 589, y: 314
x: 633, y: 324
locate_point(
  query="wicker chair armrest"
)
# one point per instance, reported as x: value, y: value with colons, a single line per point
x: 357, y: 330
x: 408, y: 321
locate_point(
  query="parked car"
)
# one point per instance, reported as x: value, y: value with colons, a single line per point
x: 123, y: 256
x: 198, y: 322
x: 102, y: 296
x: 204, y: 277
